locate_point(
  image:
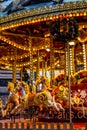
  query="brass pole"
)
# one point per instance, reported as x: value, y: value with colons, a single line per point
x: 46, y: 68
x: 69, y: 83
x: 72, y: 66
x: 31, y: 61
x: 51, y: 60
x: 14, y: 65
x: 84, y: 56
x: 38, y: 65
x: 42, y: 68
x: 66, y: 59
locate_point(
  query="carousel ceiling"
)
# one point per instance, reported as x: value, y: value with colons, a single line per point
x: 14, y: 41
x: 18, y: 39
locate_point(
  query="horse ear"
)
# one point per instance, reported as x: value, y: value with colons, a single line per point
x: 8, y: 82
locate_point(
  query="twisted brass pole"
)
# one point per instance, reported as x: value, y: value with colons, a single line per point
x: 43, y: 67
x: 51, y: 60
x: 31, y: 61
x: 14, y: 65
x: 38, y: 65
x: 84, y: 56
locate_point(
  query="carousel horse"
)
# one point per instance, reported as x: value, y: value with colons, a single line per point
x: 42, y: 98
x: 14, y: 98
x: 25, y: 91
x: 50, y: 97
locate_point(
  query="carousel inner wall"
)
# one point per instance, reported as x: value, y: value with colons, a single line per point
x: 43, y: 62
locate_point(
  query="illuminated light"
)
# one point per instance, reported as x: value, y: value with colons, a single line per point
x: 66, y: 15
x: 33, y: 21
x: 54, y: 18
x: 48, y: 49
x: 58, y: 64
x: 33, y: 49
x: 10, y: 42
x: 27, y: 22
x: 14, y: 45
x: 22, y: 23
x: 41, y: 19
x: 3, y: 28
x: 61, y: 16
x: 45, y: 19
x: 7, y: 67
x: 74, y: 14
x: 70, y: 15
x: 50, y: 18
x: 83, y: 26
x: 85, y: 14
x: 12, y: 26
x: 71, y: 43
x: 36, y: 20
x: 57, y: 17
x: 81, y: 13
x: 77, y: 14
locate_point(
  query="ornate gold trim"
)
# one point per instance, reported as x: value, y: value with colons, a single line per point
x: 43, y: 12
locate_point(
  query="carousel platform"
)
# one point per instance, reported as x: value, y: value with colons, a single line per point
x: 31, y: 123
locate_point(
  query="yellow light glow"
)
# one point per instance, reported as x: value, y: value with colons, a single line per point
x: 71, y: 43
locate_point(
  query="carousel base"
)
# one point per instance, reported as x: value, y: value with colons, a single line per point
x: 31, y: 122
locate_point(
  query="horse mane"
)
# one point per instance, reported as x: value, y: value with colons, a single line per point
x: 10, y: 87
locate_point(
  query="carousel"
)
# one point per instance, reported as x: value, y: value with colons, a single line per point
x: 48, y: 39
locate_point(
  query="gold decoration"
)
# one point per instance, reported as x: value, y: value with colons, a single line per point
x: 44, y: 80
x: 51, y: 60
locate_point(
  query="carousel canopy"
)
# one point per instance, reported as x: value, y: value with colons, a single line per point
x: 12, y: 6
x: 18, y: 24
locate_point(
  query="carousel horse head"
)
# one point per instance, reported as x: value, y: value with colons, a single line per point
x: 10, y: 87
x: 22, y: 88
x: 26, y: 87
x: 44, y: 81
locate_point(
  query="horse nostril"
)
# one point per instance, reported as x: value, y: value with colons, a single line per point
x: 75, y: 105
x: 80, y: 105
